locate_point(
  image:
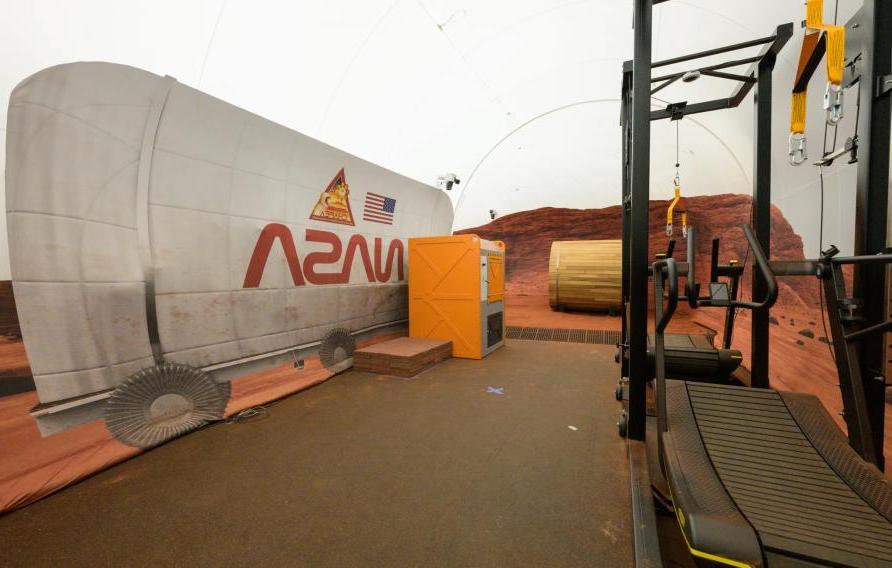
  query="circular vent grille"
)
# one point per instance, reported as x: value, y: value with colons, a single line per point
x: 162, y: 402
x: 337, y: 346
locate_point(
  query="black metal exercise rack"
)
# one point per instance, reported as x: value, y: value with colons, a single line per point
x: 635, y: 121
x: 861, y: 344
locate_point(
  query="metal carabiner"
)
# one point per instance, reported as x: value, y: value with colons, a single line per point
x: 798, y: 148
x: 833, y: 99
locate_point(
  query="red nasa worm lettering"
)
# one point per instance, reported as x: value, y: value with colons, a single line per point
x: 300, y: 275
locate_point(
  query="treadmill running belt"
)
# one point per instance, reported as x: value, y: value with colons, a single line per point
x: 797, y: 503
x: 683, y: 341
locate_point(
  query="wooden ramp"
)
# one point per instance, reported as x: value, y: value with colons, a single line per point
x: 403, y: 357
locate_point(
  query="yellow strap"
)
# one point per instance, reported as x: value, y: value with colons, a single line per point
x: 836, y: 52
x: 835, y: 37
x: 797, y: 113
x: 814, y: 13
x: 672, y: 206
x: 684, y: 220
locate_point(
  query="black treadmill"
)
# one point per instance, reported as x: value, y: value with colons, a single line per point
x: 763, y: 477
x: 695, y: 356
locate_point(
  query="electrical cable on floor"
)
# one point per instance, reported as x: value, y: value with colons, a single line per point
x: 249, y: 414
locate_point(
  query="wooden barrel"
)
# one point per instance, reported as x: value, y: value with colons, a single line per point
x: 585, y: 275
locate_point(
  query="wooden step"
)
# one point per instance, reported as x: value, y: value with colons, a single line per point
x: 403, y: 357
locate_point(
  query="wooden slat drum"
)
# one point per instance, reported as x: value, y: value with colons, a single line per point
x: 585, y: 275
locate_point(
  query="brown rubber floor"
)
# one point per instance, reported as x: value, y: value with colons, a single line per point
x: 363, y: 470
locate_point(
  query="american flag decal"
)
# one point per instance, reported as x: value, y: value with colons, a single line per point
x: 378, y: 208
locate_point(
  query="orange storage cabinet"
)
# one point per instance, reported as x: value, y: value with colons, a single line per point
x: 457, y: 292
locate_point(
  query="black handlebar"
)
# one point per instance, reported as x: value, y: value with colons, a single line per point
x: 668, y: 268
x: 765, y: 269
x: 669, y: 265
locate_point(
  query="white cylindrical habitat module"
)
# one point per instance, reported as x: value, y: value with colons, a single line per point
x: 150, y: 223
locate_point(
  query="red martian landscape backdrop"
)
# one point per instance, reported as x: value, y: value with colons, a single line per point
x: 528, y: 236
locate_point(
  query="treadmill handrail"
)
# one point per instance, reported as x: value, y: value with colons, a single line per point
x: 767, y: 274
x: 883, y: 258
x: 662, y: 316
x: 812, y: 266
x: 671, y: 269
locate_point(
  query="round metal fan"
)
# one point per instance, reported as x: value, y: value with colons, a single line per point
x: 162, y: 402
x: 337, y: 346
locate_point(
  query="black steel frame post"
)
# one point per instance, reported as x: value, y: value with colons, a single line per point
x: 639, y: 220
x: 636, y: 117
x: 874, y: 21
x: 761, y: 216
x: 626, y: 204
x: 847, y: 365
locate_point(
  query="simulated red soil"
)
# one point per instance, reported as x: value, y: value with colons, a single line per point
x: 32, y: 467
x: 534, y: 311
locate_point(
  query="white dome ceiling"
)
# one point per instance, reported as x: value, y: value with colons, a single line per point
x: 523, y: 93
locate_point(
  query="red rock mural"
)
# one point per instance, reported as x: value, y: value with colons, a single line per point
x: 528, y: 236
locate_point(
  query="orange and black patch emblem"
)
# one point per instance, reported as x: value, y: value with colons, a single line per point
x: 334, y: 203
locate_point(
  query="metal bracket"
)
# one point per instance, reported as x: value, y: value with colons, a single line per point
x: 676, y: 110
x: 850, y: 147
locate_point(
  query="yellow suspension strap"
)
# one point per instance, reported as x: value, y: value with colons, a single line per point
x: 669, y: 211
x: 819, y: 39
x: 836, y: 53
x: 674, y: 202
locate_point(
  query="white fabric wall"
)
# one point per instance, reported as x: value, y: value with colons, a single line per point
x: 428, y: 86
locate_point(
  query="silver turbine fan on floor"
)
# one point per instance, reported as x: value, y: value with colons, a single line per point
x: 162, y: 402
x: 336, y: 351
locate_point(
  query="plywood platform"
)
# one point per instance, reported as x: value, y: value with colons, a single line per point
x: 403, y: 357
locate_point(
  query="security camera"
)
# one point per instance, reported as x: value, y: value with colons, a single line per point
x: 447, y: 180
x: 492, y: 213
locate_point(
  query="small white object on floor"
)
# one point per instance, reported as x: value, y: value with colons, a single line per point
x: 574, y: 428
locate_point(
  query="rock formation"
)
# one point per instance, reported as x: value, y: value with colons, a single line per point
x: 528, y: 236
